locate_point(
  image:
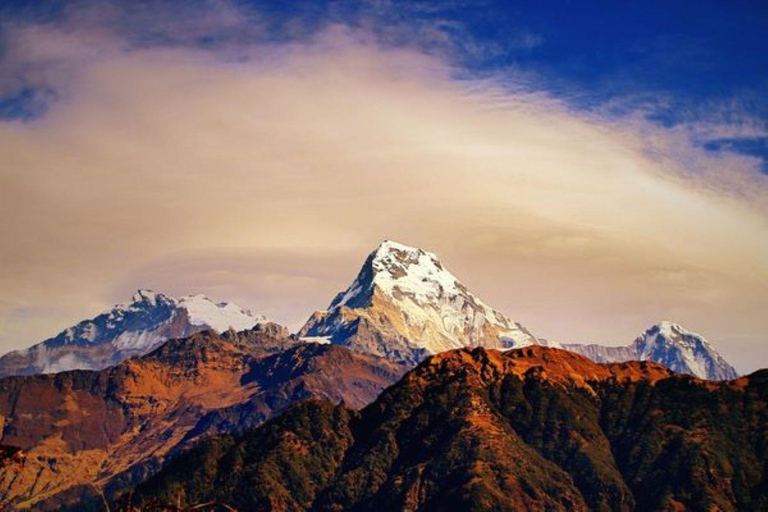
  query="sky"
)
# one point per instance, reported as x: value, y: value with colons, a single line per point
x: 587, y: 168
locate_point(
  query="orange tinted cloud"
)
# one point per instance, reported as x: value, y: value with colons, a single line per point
x: 267, y: 182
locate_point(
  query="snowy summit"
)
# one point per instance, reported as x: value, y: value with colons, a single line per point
x: 404, y: 304
x: 670, y: 344
x: 126, y: 330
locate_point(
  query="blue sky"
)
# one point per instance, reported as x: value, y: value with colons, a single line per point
x: 674, y: 61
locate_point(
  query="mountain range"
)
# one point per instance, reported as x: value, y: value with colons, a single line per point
x: 86, y: 431
x: 403, y: 305
x: 473, y: 429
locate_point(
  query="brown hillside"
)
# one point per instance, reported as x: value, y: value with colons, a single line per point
x: 528, y: 429
x: 83, y: 430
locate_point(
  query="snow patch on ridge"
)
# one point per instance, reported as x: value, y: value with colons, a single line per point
x: 137, y: 340
x: 221, y: 317
x: 322, y: 340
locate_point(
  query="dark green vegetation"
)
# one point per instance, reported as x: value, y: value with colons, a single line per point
x: 530, y: 429
x: 280, y: 466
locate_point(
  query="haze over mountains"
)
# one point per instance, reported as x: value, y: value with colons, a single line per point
x: 403, y: 305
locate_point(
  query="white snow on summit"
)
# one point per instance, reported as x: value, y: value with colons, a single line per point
x: 415, y: 272
x: 669, y: 344
x: 404, y: 303
x: 428, y: 292
x: 128, y: 329
x: 220, y: 317
x: 682, y: 350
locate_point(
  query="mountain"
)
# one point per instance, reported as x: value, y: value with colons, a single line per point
x: 127, y: 330
x: 86, y: 430
x: 669, y: 344
x: 474, y: 429
x: 405, y: 305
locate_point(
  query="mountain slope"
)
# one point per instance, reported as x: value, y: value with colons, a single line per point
x: 126, y: 330
x: 115, y: 427
x: 404, y: 305
x: 528, y: 429
x: 669, y: 344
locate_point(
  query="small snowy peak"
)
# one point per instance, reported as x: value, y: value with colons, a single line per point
x: 220, y: 317
x: 683, y: 351
x: 667, y: 343
x: 670, y: 329
x: 666, y: 333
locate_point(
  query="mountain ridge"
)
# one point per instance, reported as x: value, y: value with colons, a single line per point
x: 403, y: 305
x: 475, y: 429
x: 114, y: 427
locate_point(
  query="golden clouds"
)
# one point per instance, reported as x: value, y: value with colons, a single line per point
x: 267, y: 182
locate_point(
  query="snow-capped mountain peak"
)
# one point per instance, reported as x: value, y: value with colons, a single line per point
x: 670, y: 344
x: 128, y: 329
x: 404, y: 304
x: 683, y: 351
x: 221, y: 316
x: 397, y: 270
x: 668, y: 328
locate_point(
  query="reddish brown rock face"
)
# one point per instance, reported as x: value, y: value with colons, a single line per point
x: 117, y: 426
x: 476, y: 429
